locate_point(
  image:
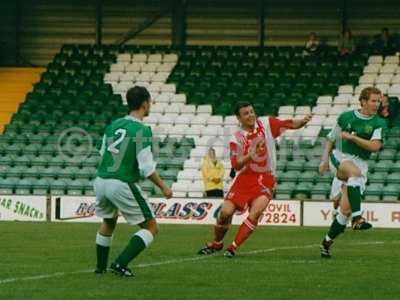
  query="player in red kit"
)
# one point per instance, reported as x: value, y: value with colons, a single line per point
x: 253, y: 156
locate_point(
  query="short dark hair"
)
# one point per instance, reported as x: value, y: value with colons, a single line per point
x: 240, y: 105
x: 136, y: 96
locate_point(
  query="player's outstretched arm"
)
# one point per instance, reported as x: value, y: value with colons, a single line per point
x: 324, y: 165
x: 155, y: 178
x: 296, y: 124
x: 369, y: 145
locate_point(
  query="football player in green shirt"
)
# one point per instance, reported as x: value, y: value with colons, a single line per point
x: 356, y: 135
x: 126, y: 158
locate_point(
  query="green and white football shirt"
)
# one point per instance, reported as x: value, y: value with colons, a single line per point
x: 366, y: 127
x: 126, y: 151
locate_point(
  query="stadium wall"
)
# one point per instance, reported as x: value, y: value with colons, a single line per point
x: 38, y: 28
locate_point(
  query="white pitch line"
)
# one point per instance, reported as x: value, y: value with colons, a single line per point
x: 176, y: 261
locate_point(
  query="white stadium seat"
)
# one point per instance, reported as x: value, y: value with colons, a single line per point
x: 154, y: 58
x: 139, y: 57
x: 165, y: 68
x: 395, y: 79
x: 196, y: 190
x: 160, y: 77
x: 367, y: 79
x: 180, y: 189
x: 231, y: 120
x: 124, y: 57
x: 392, y: 59
x: 204, y: 109
x: 150, y: 67
x: 183, y: 120
x: 388, y: 69
x: 375, y: 59
x: 384, y: 78
x: 180, y: 98
x: 134, y: 67
x: 324, y: 100
x: 168, y: 88
x: 170, y: 58
x: 346, y: 89
x: 192, y: 164
x: 321, y: 109
x: 286, y: 110
x: 118, y: 67
x: 372, y: 69
x: 215, y: 120
x: 383, y: 87
x: 302, y: 110
x: 199, y: 120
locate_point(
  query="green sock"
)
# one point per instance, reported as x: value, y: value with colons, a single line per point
x: 136, y: 245
x: 354, y: 198
x: 102, y: 256
x: 133, y: 249
x: 336, y: 229
x: 103, y: 244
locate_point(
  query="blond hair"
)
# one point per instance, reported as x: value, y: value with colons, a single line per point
x: 367, y: 92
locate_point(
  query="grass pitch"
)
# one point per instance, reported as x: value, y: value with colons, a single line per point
x: 56, y: 260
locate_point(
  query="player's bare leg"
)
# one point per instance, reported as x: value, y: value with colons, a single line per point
x: 220, y: 228
x: 249, y: 225
x: 103, y: 244
x: 140, y: 241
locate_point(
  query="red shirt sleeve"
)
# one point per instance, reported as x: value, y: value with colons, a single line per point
x: 279, y: 126
x: 234, y: 150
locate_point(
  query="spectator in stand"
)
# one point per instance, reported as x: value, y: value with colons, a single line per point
x: 213, y: 175
x: 389, y: 109
x: 346, y: 45
x: 312, y: 46
x: 384, y: 43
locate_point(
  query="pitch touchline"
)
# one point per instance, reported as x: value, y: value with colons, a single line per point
x: 173, y: 261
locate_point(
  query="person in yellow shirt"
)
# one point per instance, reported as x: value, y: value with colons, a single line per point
x: 213, y: 175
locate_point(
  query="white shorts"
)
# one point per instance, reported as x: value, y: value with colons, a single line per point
x: 335, y: 159
x: 114, y: 196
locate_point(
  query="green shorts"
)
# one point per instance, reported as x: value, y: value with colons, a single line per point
x: 114, y: 196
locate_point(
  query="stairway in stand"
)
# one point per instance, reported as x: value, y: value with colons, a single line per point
x: 15, y: 83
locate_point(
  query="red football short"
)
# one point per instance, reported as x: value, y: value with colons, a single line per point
x: 248, y: 187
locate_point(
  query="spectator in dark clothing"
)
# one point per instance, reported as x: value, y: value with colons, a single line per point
x: 346, y: 45
x: 384, y: 43
x: 313, y: 45
x: 389, y: 109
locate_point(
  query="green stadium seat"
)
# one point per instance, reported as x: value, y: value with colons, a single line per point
x: 24, y: 186
x: 302, y: 190
x: 313, y: 164
x: 377, y: 177
x: 393, y: 178
x: 41, y: 186
x: 58, y: 187
x: 383, y: 166
x: 373, y: 192
x: 387, y: 154
x: 284, y: 190
x: 391, y: 192
x: 290, y: 176
x: 320, y: 191
x: 7, y: 185
x: 394, y: 167
x: 309, y: 176
x: 295, y: 165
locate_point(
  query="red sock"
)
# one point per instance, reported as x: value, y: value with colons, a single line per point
x: 243, y: 233
x: 219, y: 232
